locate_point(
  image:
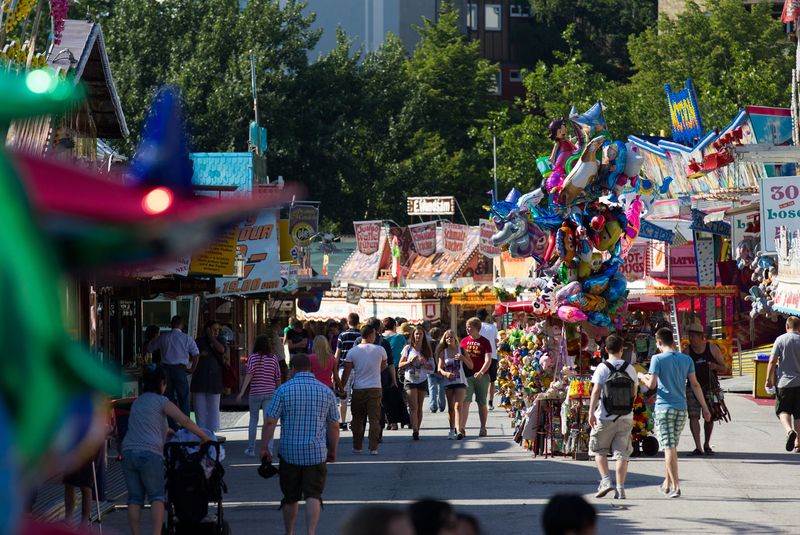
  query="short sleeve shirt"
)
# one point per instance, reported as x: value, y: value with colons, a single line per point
x: 397, y: 342
x: 787, y: 348
x: 601, y: 375
x: 416, y: 372
x: 345, y: 341
x: 477, y: 350
x: 489, y: 332
x: 366, y: 360
x: 265, y: 372
x: 147, y: 425
x: 672, y: 369
x: 305, y: 407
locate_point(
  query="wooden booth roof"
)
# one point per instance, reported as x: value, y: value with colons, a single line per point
x: 83, y: 53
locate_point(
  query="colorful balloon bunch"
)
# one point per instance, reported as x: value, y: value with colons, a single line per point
x: 576, y: 227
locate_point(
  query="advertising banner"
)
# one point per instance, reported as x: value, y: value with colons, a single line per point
x: 424, y: 237
x: 218, y: 258
x: 257, y: 241
x: 431, y: 205
x: 780, y: 207
x: 368, y: 236
x: 635, y: 261
x: 772, y: 126
x: 303, y: 223
x: 455, y: 236
x: 485, y: 245
x: 653, y: 232
x: 354, y: 293
x: 684, y: 113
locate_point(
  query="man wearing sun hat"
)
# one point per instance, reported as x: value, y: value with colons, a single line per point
x: 708, y: 362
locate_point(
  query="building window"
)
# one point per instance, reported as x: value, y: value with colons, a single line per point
x: 472, y: 16
x: 497, y: 84
x: 494, y: 17
x: 515, y: 75
x: 520, y: 10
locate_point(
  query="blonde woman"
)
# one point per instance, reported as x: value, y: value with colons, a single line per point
x: 451, y: 361
x: 416, y: 361
x: 323, y: 365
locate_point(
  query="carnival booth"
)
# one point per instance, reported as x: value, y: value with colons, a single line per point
x: 420, y: 272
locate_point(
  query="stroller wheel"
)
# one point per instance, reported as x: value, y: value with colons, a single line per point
x: 637, y: 449
x: 223, y: 528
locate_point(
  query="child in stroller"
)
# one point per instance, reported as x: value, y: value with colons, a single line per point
x: 194, y: 477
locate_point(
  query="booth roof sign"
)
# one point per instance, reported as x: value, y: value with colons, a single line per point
x: 431, y: 205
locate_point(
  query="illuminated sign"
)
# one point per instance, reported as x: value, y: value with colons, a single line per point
x: 684, y: 113
x: 431, y: 205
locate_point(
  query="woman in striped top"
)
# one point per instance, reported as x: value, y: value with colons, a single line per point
x: 264, y: 377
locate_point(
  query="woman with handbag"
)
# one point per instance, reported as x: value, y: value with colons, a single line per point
x: 207, y: 380
x: 451, y: 361
x: 263, y: 377
x: 416, y: 361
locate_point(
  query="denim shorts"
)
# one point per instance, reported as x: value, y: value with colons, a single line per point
x: 144, y: 475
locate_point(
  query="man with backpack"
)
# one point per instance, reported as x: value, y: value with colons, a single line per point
x: 611, y: 416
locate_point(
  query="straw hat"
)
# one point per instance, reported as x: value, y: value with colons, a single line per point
x: 696, y: 327
x: 406, y: 329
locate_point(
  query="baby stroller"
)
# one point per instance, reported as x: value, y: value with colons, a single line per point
x: 194, y: 477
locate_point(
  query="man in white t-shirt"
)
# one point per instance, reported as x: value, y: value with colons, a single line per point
x: 611, y: 416
x: 366, y: 361
x: 489, y: 331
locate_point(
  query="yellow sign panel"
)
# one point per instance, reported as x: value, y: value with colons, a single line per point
x: 285, y: 241
x: 218, y: 258
x: 473, y: 299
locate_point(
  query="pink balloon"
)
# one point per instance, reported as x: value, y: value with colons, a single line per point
x: 571, y: 314
x: 568, y: 291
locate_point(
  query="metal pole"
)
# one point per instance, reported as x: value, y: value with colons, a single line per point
x: 494, y: 167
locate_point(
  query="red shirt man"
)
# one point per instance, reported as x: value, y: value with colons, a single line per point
x: 479, y: 350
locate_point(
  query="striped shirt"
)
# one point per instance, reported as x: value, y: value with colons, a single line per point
x: 265, y: 372
x: 345, y: 342
x: 305, y: 407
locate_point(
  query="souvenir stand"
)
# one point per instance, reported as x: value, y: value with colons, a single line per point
x: 578, y: 227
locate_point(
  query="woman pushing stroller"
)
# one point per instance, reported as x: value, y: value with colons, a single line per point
x: 143, y: 447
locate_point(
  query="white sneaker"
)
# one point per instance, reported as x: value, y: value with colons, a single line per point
x: 357, y: 452
x: 451, y: 435
x: 604, y: 488
x: 250, y: 452
x: 373, y: 452
x: 619, y: 494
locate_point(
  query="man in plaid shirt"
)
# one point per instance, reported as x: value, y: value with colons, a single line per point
x: 309, y: 435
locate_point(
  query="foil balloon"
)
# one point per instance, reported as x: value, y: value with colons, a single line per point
x: 551, y: 246
x: 584, y: 172
x: 571, y: 314
x: 584, y: 258
x: 606, y: 239
x: 599, y: 319
x: 596, y: 284
x: 616, y: 287
x: 587, y: 302
x: 564, y: 243
x: 567, y: 291
x: 633, y: 214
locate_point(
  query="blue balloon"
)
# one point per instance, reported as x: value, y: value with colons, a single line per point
x: 616, y: 288
x: 599, y: 319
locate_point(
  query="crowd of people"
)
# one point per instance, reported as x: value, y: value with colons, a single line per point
x: 381, y: 371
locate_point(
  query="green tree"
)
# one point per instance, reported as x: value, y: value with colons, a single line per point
x: 601, y: 26
x: 735, y: 56
x: 449, y: 98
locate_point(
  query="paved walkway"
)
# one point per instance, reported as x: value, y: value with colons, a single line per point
x: 750, y: 486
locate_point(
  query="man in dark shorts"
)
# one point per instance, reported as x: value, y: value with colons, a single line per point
x: 309, y: 419
x: 708, y: 362
x: 785, y: 359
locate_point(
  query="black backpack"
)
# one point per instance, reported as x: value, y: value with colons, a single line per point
x: 618, y: 391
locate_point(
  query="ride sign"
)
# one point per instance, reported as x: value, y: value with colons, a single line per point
x: 780, y: 207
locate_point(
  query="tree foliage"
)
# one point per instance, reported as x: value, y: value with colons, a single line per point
x: 364, y: 131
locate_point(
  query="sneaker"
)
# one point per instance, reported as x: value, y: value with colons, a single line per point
x: 357, y: 452
x: 415, y: 435
x: 483, y: 433
x: 451, y: 435
x: 604, y: 488
x: 619, y: 494
x: 373, y: 452
x: 460, y: 436
x: 491, y: 405
x: 249, y: 452
x: 791, y: 437
x: 343, y: 426
x: 674, y: 494
x: 665, y: 489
